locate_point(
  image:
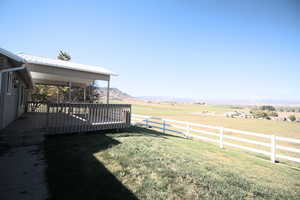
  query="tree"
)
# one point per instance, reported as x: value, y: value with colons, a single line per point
x: 64, y: 56
x: 258, y: 113
x: 292, y: 118
x: 267, y: 107
x: 41, y: 94
x: 63, y: 90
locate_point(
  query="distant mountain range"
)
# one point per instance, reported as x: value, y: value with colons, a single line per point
x: 221, y: 101
x: 115, y: 94
x: 168, y: 99
x: 118, y: 95
x: 255, y: 102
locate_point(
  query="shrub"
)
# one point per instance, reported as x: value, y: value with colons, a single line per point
x: 292, y: 118
x: 272, y: 114
x: 259, y: 113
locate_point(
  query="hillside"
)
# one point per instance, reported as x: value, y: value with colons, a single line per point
x: 115, y: 95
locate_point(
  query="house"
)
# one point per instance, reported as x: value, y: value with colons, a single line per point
x: 20, y: 72
x: 14, y: 80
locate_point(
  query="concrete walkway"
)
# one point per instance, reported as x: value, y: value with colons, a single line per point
x: 22, y: 164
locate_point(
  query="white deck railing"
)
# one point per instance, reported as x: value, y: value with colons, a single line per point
x: 75, y: 117
x: 221, y: 135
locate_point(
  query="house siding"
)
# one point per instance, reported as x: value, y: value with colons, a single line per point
x: 2, y: 101
x: 10, y: 107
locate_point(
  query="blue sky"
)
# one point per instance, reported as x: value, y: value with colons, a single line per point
x: 194, y: 49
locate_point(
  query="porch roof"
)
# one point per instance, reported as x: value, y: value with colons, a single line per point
x: 30, y: 59
x: 58, y: 72
x: 44, y: 70
x: 17, y: 61
x: 12, y: 56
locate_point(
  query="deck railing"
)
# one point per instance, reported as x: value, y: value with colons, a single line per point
x: 82, y: 117
x: 69, y: 117
x: 35, y: 106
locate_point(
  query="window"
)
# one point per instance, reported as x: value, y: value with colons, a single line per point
x: 2, y: 62
x: 15, y: 82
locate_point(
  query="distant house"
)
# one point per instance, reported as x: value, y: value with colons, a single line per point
x: 18, y: 74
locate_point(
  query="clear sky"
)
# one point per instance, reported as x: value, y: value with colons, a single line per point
x: 184, y: 48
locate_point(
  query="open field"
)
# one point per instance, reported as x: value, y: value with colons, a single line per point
x: 144, y: 164
x: 186, y: 112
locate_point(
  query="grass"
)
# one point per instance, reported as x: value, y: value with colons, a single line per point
x: 188, y: 112
x: 178, y: 109
x: 144, y: 164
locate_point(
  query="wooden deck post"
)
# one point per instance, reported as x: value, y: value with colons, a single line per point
x: 107, y: 93
x: 70, y: 93
x: 84, y: 94
x: 57, y: 100
x: 92, y: 91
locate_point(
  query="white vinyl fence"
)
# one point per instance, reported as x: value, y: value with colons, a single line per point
x: 269, y: 144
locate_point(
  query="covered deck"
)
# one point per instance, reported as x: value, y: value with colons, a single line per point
x: 58, y: 118
x: 68, y: 116
x: 54, y: 72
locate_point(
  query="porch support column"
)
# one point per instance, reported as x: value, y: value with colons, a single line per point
x: 57, y: 100
x: 70, y: 94
x: 84, y: 94
x: 107, y: 93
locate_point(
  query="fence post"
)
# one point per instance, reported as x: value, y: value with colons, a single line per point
x: 221, y: 137
x: 164, y: 125
x: 273, y: 149
x: 187, y: 133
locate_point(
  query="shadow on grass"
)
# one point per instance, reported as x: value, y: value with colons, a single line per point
x: 140, y: 131
x: 74, y: 173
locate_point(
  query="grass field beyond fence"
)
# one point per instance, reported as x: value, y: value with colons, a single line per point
x: 268, y: 145
x: 191, y: 113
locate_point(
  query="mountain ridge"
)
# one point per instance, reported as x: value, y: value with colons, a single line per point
x: 118, y: 95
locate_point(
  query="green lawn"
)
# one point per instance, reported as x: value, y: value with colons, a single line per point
x: 144, y: 164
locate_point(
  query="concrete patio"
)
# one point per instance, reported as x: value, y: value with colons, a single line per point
x: 22, y: 163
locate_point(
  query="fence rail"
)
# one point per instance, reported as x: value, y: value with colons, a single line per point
x: 221, y: 135
x: 34, y: 106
